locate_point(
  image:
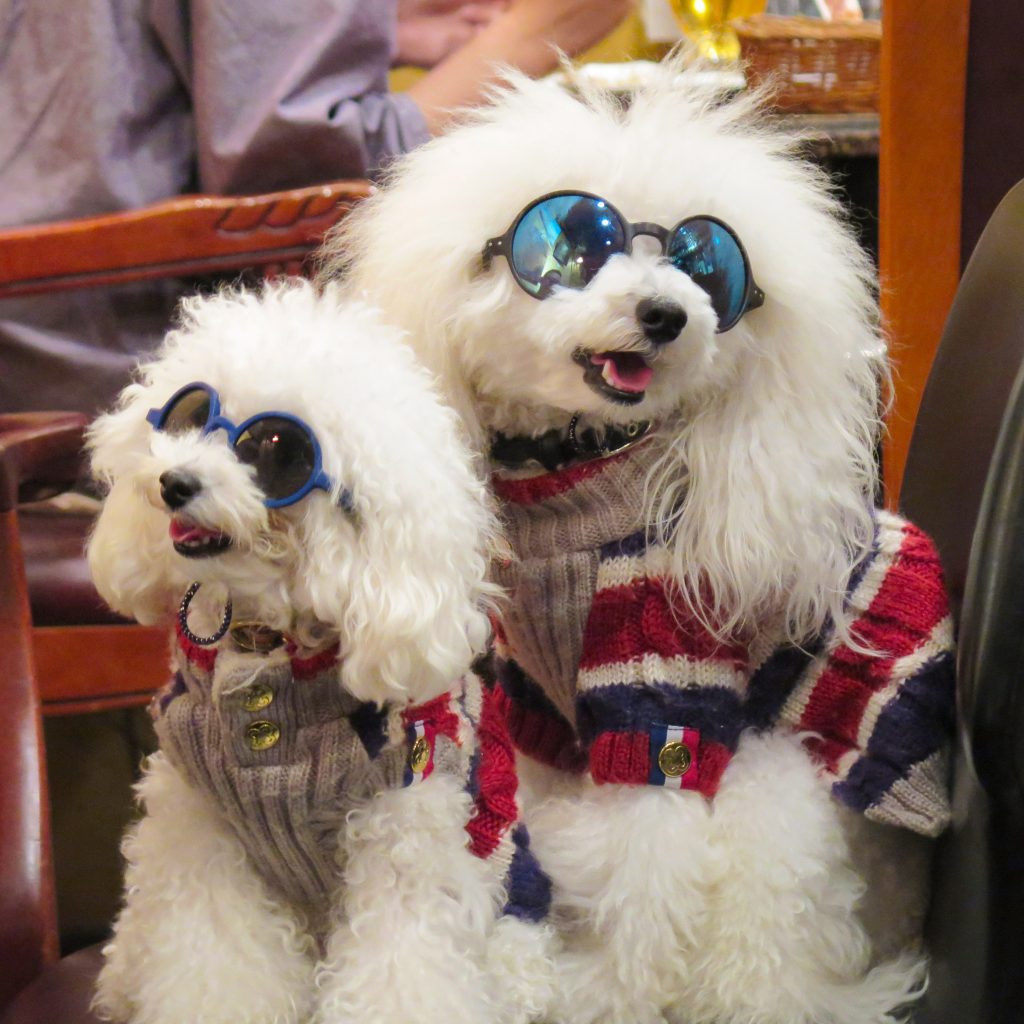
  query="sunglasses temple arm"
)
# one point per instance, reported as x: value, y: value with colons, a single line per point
x: 494, y: 247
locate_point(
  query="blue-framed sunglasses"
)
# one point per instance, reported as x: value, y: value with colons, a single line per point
x: 563, y: 239
x: 282, y: 450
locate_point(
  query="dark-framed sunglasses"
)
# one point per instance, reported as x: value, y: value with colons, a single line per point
x: 563, y: 239
x: 281, y: 449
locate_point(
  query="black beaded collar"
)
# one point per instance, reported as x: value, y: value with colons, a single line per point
x: 557, y: 448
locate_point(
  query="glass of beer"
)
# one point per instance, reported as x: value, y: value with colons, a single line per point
x: 706, y: 22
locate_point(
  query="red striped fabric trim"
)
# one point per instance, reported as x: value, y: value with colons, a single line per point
x: 437, y: 713
x: 910, y: 602
x: 496, y: 809
x: 531, y: 490
x: 637, y: 619
x: 307, y: 668
x: 203, y: 658
x: 625, y: 758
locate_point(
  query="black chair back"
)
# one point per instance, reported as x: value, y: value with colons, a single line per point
x: 964, y: 484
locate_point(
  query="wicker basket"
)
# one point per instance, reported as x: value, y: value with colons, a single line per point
x: 812, y: 65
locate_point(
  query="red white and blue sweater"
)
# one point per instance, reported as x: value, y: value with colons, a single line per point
x: 597, y: 670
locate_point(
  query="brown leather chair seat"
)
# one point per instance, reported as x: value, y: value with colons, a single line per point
x: 60, y: 590
x: 61, y: 993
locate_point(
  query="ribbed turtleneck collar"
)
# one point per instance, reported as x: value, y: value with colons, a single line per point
x: 578, y: 508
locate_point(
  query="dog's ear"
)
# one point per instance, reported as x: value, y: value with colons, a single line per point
x: 127, y: 556
x: 127, y: 550
x: 764, y: 498
x: 415, y: 615
x: 405, y: 590
x: 402, y: 577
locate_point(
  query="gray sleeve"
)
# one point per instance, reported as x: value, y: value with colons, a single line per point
x: 291, y: 94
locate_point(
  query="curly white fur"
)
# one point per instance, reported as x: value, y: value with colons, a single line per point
x: 743, y: 912
x: 200, y: 938
x: 401, y: 581
x: 405, y: 591
x: 769, y: 428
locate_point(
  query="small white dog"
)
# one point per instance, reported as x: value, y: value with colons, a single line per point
x: 721, y: 667
x: 330, y: 827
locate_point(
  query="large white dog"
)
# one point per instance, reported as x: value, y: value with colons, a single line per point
x: 718, y: 662
x: 330, y: 827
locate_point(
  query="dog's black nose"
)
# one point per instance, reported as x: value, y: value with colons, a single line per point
x: 660, y: 320
x: 178, y: 486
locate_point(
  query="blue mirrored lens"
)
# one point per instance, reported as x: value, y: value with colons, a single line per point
x: 563, y: 242
x: 710, y: 254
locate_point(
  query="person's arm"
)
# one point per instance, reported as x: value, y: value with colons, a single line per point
x: 525, y: 36
x: 294, y: 94
x: 286, y: 95
x: 430, y: 30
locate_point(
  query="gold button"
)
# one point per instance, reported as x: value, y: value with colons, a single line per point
x: 256, y: 637
x: 675, y: 759
x: 262, y: 735
x: 257, y: 697
x: 419, y: 756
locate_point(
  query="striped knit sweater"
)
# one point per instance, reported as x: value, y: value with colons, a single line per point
x: 285, y: 753
x: 598, y: 672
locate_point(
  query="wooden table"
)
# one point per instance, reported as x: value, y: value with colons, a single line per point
x: 837, y: 136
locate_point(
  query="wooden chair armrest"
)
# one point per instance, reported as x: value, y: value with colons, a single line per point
x: 39, y: 454
x: 179, y: 237
x: 30, y: 443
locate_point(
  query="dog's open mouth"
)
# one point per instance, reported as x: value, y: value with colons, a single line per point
x: 194, y: 541
x: 622, y: 377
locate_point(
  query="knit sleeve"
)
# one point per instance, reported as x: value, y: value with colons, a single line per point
x: 879, y: 712
x: 495, y: 831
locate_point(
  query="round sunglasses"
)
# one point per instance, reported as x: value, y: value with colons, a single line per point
x: 563, y: 239
x: 281, y: 449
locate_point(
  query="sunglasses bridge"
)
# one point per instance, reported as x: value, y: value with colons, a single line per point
x: 652, y: 231
x: 496, y: 246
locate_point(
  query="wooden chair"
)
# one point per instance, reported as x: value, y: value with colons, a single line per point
x: 70, y: 665
x: 86, y: 657
x: 32, y: 447
x: 924, y: 79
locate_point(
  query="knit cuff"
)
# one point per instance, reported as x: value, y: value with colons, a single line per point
x: 665, y: 756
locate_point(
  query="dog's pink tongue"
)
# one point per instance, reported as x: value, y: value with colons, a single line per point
x: 627, y: 371
x: 181, y: 530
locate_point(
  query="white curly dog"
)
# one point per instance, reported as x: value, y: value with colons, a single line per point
x: 330, y: 829
x: 725, y: 673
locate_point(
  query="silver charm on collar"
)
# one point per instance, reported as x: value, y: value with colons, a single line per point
x: 631, y: 434
x: 201, y: 641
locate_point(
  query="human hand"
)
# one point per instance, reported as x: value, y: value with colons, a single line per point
x: 430, y: 30
x: 570, y: 25
x: 526, y: 35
